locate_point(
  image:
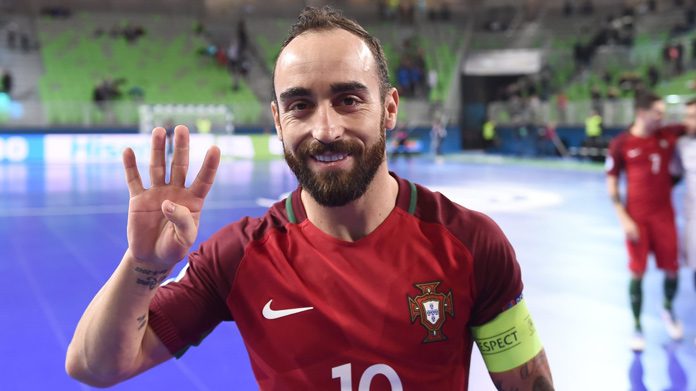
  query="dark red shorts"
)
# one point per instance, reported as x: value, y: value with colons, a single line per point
x: 658, y: 234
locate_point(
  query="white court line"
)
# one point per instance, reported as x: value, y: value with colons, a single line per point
x: 46, y: 308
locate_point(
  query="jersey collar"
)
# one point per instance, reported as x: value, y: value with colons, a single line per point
x: 405, y: 199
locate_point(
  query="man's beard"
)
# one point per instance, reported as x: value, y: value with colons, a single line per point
x: 337, y: 187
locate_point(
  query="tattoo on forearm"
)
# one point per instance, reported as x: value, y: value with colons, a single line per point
x: 142, y: 321
x: 529, y: 367
x: 542, y: 384
x: 152, y: 281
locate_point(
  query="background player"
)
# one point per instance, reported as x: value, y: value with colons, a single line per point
x: 644, y: 151
x: 328, y: 286
x: 685, y: 166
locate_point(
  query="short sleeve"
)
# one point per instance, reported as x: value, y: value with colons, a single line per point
x: 496, y: 271
x: 614, y: 163
x: 188, y: 308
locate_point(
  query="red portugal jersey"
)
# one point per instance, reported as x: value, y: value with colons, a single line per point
x: 390, y: 311
x: 646, y: 162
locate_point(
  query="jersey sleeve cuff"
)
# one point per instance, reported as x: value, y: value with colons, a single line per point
x: 165, y: 330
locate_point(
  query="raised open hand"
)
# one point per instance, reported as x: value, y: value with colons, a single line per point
x: 163, y: 220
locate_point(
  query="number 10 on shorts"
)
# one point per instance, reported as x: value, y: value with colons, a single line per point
x: 343, y: 373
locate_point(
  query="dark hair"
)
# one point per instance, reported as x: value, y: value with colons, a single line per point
x: 645, y: 100
x: 692, y: 101
x: 328, y: 18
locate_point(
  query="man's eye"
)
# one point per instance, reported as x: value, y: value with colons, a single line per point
x: 298, y: 106
x: 350, y: 101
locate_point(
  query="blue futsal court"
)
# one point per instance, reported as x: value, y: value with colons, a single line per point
x: 63, y: 231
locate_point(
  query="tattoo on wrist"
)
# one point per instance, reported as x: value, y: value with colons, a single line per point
x: 153, y: 273
x: 151, y: 282
x: 143, y: 321
x: 154, y: 279
x: 616, y: 199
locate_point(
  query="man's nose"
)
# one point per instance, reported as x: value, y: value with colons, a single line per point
x: 326, y: 125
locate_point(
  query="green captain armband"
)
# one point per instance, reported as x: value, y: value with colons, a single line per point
x: 509, y: 340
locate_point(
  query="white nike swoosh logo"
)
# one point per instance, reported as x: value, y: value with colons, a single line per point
x: 268, y: 313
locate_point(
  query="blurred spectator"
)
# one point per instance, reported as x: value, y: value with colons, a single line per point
x: 399, y: 140
x: 418, y: 73
x: 7, y: 82
x: 488, y: 133
x: 445, y: 13
x: 103, y: 94
x: 548, y: 140
x: 198, y: 27
x: 221, y: 57
x: 242, y: 36
x: 523, y: 145
x: 561, y: 104
x: 587, y: 7
x: 679, y: 66
x: 203, y: 125
x: 237, y: 64
x: 612, y: 93
x: 233, y: 61
x: 568, y: 8
x: 392, y: 8
x: 607, y: 77
x: 129, y: 32
x: 437, y: 135
x: 596, y: 99
x: 12, y: 34
x: 132, y: 33
x: 106, y: 91
x: 628, y: 82
x: 433, y: 80
x: 24, y: 41
x: 407, y: 12
x: 403, y: 78
x: 534, y: 108
x: 653, y: 76
x: 580, y: 56
x: 169, y: 128
x: 545, y: 78
x: 593, y: 128
x: 56, y: 12
x: 383, y: 10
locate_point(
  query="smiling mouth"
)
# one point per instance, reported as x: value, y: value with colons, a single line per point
x: 330, y: 158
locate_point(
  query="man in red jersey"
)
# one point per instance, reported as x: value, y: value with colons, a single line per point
x: 644, y: 151
x: 358, y: 280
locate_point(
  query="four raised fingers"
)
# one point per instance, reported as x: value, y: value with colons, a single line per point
x: 180, y: 162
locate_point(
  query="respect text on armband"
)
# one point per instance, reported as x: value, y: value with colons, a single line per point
x: 499, y: 343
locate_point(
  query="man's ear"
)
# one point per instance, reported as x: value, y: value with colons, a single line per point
x: 276, y: 119
x: 391, y: 109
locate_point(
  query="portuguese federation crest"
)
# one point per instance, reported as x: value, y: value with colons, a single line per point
x: 431, y: 307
